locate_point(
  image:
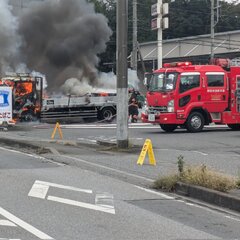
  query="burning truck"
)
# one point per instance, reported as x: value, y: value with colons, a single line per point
x: 30, y: 103
x: 26, y: 95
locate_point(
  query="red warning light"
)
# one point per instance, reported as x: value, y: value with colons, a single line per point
x: 177, y: 64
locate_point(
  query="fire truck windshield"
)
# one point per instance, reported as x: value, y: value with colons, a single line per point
x: 163, y: 82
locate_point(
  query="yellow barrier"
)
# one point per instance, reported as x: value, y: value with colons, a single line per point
x: 57, y: 127
x: 147, y: 147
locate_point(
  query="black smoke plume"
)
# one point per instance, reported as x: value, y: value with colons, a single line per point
x: 62, y: 38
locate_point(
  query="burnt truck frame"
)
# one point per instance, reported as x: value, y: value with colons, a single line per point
x: 74, y: 108
x: 30, y: 105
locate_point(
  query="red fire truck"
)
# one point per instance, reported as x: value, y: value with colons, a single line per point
x: 191, y: 96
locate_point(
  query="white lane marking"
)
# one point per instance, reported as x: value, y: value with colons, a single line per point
x: 24, y: 225
x: 88, y: 140
x: 109, y: 168
x: 103, y: 202
x: 190, y: 204
x: 7, y: 223
x: 9, y: 239
x: 107, y: 209
x: 62, y: 186
x: 202, y: 153
x: 233, y: 218
x: 108, y: 126
x: 31, y: 155
x: 38, y: 191
x: 26, y: 154
x: 154, y: 192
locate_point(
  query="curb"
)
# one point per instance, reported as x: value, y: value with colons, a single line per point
x: 225, y: 200
x: 23, y: 144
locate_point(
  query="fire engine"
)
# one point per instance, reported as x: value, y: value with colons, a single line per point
x: 192, y: 96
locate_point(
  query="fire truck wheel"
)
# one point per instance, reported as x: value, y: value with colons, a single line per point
x: 195, y: 122
x: 107, y: 114
x: 168, y: 127
x: 234, y: 126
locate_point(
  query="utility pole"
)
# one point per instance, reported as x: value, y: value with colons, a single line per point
x: 159, y: 23
x: 122, y: 76
x: 212, y: 29
x: 213, y: 24
x: 134, y: 47
x: 159, y: 37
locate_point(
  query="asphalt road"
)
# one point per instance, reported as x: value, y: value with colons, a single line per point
x: 216, y: 147
x: 41, y: 199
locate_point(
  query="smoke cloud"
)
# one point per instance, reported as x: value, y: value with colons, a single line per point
x: 59, y: 38
x: 62, y: 39
x: 106, y: 83
x: 10, y: 40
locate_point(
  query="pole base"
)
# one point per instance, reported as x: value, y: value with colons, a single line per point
x: 122, y: 144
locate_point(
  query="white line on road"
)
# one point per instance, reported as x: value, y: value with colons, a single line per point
x: 63, y: 186
x: 233, y: 218
x: 38, y: 191
x: 107, y: 209
x: 9, y: 239
x: 7, y: 223
x: 204, y: 154
x: 106, y: 126
x: 154, y: 192
x: 31, y: 155
x: 24, y: 225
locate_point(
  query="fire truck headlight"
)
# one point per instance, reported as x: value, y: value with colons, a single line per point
x: 170, y: 106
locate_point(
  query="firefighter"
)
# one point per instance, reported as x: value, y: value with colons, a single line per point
x: 133, y: 110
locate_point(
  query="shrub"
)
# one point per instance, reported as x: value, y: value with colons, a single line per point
x: 202, y: 176
x: 199, y: 175
x: 166, y: 183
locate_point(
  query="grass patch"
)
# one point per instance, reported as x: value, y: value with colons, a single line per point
x: 197, y: 175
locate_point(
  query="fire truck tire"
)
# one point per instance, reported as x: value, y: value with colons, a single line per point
x: 168, y: 127
x: 195, y: 122
x: 234, y: 126
x: 107, y: 114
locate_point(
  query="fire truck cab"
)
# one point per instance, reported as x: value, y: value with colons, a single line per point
x: 191, y: 96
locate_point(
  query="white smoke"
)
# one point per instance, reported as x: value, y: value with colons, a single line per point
x: 106, y: 83
x: 10, y: 41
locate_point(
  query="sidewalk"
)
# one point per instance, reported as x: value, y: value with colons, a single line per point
x: 123, y: 161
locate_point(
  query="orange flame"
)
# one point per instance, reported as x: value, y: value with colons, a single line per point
x: 23, y: 88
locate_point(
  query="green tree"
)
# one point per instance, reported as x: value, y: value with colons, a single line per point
x: 186, y: 18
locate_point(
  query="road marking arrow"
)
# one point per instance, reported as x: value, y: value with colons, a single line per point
x: 40, y: 190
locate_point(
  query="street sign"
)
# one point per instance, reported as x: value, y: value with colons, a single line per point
x: 155, y: 9
x: 155, y: 23
x: 147, y: 147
